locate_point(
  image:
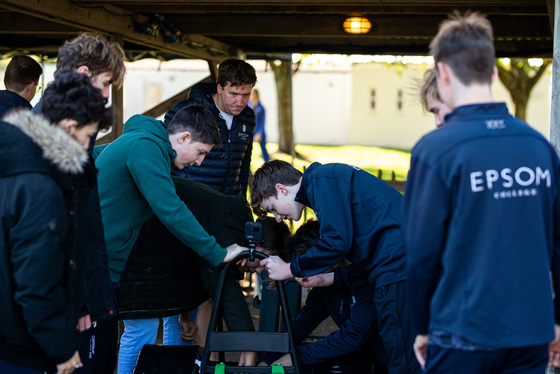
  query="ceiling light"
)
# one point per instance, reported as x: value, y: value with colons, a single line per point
x: 356, y: 25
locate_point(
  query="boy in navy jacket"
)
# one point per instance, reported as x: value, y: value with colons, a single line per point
x: 360, y: 221
x: 351, y: 309
x: 480, y: 224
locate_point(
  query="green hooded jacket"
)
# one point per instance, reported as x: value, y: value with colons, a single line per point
x: 135, y: 183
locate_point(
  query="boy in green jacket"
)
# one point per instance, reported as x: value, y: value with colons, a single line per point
x: 135, y: 183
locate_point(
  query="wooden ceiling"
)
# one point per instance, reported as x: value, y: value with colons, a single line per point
x: 212, y: 30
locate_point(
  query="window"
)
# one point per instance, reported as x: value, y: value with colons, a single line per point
x: 399, y: 99
x: 372, y: 99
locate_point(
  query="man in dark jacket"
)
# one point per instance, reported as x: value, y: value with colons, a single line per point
x: 225, y: 168
x: 43, y: 167
x: 481, y: 220
x: 22, y: 82
x: 360, y: 220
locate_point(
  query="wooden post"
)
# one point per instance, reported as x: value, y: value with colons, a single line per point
x: 117, y: 98
x: 555, y: 100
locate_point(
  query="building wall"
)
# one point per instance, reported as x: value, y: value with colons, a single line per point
x: 331, y: 103
x: 388, y: 126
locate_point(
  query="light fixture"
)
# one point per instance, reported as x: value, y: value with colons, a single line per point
x: 356, y: 25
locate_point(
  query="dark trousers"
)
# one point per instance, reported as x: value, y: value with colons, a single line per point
x: 526, y: 360
x: 394, y: 328
x: 98, y: 347
x: 99, y: 344
x: 9, y: 368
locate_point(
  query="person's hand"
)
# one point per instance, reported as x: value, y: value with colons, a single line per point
x: 285, y: 360
x: 84, y: 323
x: 248, y: 359
x: 189, y: 328
x: 252, y: 266
x: 233, y: 251
x: 420, y: 349
x: 69, y: 366
x: 554, y: 349
x: 319, y: 280
x: 257, y: 138
x: 277, y: 269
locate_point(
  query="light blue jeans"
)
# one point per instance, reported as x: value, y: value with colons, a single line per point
x: 138, y: 332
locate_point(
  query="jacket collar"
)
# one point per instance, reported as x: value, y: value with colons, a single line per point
x: 484, y: 109
x: 58, y: 147
x: 301, y: 196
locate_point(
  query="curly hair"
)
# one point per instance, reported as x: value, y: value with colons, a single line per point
x: 95, y: 52
x: 278, y: 240
x: 72, y: 96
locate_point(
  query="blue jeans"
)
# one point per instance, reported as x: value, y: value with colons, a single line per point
x: 138, y: 332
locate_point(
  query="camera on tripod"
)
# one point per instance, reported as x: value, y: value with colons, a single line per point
x: 253, y: 236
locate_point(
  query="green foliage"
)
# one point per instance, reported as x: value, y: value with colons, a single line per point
x: 370, y: 159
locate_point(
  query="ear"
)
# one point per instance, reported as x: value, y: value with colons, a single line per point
x: 280, y: 188
x: 443, y: 72
x: 184, y: 137
x: 69, y: 125
x: 30, y: 88
x: 83, y: 70
x: 494, y: 74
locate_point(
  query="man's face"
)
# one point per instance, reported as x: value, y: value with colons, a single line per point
x: 190, y: 153
x: 438, y: 108
x: 84, y: 134
x: 233, y: 99
x: 282, y: 206
x: 103, y: 82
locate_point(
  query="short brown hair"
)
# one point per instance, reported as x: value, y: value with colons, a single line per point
x: 236, y: 72
x: 429, y: 88
x: 95, y: 52
x: 199, y: 121
x: 265, y: 179
x: 21, y: 71
x: 465, y: 44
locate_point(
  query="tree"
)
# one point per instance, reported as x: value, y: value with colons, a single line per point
x: 283, y: 72
x: 519, y: 77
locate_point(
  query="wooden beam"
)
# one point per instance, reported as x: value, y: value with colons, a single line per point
x: 319, y: 2
x: 112, y: 20
x: 326, y: 26
x: 16, y: 23
x: 117, y: 98
x: 164, y: 106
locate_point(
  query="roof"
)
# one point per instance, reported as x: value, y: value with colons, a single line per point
x: 211, y: 30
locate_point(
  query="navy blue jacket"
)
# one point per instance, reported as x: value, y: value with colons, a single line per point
x: 360, y: 218
x: 10, y: 100
x: 226, y: 168
x: 352, y: 311
x: 481, y: 224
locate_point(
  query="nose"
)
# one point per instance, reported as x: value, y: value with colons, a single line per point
x: 106, y: 92
x: 199, y: 160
